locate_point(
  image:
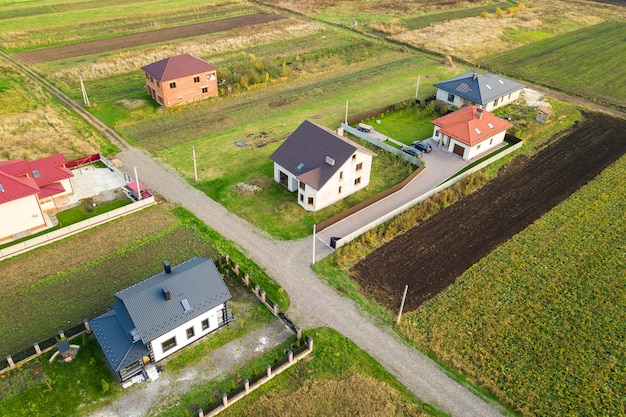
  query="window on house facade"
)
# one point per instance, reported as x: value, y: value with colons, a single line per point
x: 190, y: 333
x: 341, y: 175
x: 490, y: 141
x: 310, y: 201
x: 169, y: 344
x: 357, y: 181
x: 451, y: 98
x: 340, y: 189
x: 158, y: 84
x: 478, y: 147
x: 302, y: 185
x: 173, y: 85
x: 147, y: 76
x: 196, y: 79
x: 302, y: 198
x: 359, y: 166
x: 205, y: 90
x: 354, y: 157
x: 205, y: 324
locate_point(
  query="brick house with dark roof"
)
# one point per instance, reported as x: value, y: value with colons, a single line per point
x: 470, y: 131
x: 322, y: 166
x: 161, y: 315
x: 180, y: 79
x: 29, y: 190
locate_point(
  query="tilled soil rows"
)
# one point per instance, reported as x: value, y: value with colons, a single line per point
x: 433, y: 254
x: 143, y: 38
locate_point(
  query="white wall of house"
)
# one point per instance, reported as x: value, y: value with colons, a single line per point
x: 353, y: 176
x: 180, y: 333
x: 292, y: 181
x: 445, y: 97
x: 486, y: 145
x: 24, y: 214
x: 461, y: 102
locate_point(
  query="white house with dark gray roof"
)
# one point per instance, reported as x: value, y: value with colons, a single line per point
x: 321, y: 166
x: 488, y: 91
x: 161, y: 315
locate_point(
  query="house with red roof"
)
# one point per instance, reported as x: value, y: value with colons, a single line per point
x: 180, y: 79
x: 321, y: 166
x: 29, y: 190
x: 469, y: 132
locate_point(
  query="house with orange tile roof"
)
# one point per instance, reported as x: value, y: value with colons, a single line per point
x: 469, y: 132
x: 29, y: 190
x: 180, y: 79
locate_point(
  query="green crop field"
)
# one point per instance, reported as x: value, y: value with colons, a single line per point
x: 47, y: 23
x: 588, y: 62
x: 541, y: 320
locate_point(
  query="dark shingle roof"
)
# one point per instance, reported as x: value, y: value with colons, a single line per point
x: 145, y: 308
x: 480, y: 88
x: 305, y: 151
x: 177, y: 67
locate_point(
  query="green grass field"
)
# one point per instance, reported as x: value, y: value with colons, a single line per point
x: 69, y: 283
x: 540, y: 321
x: 588, y: 62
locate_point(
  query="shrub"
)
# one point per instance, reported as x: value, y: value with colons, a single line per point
x: 484, y: 14
x: 499, y: 12
x: 105, y: 385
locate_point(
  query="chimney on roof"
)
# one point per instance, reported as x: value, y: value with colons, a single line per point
x: 166, y: 267
x: 479, y: 112
x: 167, y: 293
x: 475, y: 76
x: 330, y: 161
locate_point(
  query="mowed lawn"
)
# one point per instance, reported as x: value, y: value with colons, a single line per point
x: 541, y: 321
x: 589, y: 62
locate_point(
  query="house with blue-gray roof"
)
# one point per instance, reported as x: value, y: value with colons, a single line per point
x: 487, y: 91
x: 162, y: 314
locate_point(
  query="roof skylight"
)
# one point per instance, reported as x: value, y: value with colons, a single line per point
x: 477, y: 130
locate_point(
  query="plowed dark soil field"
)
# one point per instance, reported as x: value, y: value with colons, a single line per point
x: 433, y: 254
x: 143, y: 38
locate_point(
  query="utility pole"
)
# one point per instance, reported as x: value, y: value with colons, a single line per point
x: 82, y: 87
x: 195, y: 167
x: 418, y: 87
x: 313, y: 263
x: 406, y: 287
x: 137, y: 183
x: 346, y: 121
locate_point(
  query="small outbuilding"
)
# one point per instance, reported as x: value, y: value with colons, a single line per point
x: 543, y: 114
x: 180, y: 79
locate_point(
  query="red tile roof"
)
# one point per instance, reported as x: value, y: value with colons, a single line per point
x: 471, y: 125
x: 19, y: 178
x: 178, y: 67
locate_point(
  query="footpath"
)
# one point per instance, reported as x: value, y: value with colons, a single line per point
x: 313, y: 302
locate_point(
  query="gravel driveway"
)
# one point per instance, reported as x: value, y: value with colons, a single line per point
x: 147, y: 398
x: 312, y: 299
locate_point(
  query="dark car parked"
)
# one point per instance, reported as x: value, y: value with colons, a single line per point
x: 411, y: 151
x: 422, y: 146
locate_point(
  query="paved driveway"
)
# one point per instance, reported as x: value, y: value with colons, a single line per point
x: 440, y: 165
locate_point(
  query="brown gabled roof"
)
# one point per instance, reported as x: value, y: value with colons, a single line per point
x: 471, y: 125
x: 304, y: 153
x: 177, y: 67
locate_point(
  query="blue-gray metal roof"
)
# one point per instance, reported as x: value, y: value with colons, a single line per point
x: 197, y: 280
x: 480, y: 88
x: 116, y: 342
x: 145, y: 308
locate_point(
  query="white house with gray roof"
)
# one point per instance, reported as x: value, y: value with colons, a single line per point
x: 321, y: 166
x: 161, y: 315
x: 487, y: 91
